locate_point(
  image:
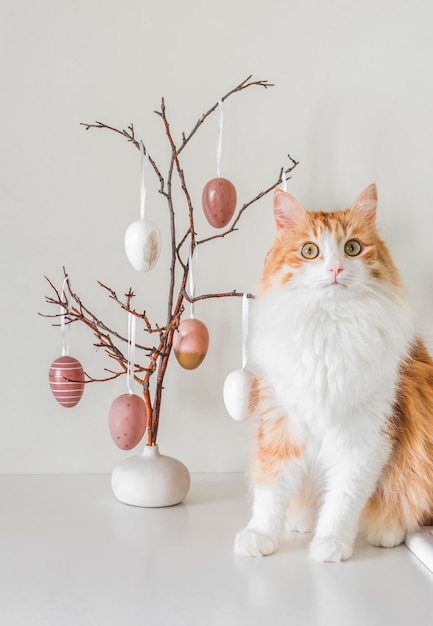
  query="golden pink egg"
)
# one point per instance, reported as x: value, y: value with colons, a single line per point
x: 190, y: 343
x: 219, y: 201
x: 127, y: 420
x: 66, y: 378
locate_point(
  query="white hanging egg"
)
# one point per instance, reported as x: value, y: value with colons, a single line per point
x: 142, y: 244
x: 236, y: 393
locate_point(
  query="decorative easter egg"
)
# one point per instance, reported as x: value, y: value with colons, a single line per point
x: 219, y: 201
x: 66, y: 378
x: 127, y: 420
x: 142, y: 244
x: 236, y: 394
x: 190, y: 343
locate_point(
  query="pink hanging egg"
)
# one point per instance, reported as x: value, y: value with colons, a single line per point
x: 127, y: 420
x: 219, y: 201
x: 66, y: 377
x: 190, y: 343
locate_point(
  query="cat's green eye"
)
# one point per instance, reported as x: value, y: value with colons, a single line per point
x: 352, y: 247
x: 310, y: 251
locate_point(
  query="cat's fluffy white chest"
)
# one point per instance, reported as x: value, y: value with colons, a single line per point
x: 327, y: 358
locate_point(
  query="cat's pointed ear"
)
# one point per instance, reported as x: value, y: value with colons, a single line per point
x: 287, y: 211
x: 366, y: 203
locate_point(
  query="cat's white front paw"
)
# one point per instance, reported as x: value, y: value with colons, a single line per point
x: 250, y: 543
x: 330, y: 549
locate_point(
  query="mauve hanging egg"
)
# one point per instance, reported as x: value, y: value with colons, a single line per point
x: 127, y: 420
x: 190, y: 343
x: 219, y: 201
x: 66, y: 377
x: 142, y: 244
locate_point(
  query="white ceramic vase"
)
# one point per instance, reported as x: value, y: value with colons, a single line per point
x: 150, y: 479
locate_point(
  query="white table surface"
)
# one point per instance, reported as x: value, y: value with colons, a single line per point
x: 72, y: 555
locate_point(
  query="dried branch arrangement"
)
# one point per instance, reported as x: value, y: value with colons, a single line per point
x: 161, y: 337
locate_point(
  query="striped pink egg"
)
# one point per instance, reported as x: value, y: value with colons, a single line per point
x: 66, y: 378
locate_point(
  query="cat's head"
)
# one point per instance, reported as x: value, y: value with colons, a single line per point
x: 332, y: 251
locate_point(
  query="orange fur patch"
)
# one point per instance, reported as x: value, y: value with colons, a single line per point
x: 275, y: 447
x: 404, y: 495
x: 254, y: 397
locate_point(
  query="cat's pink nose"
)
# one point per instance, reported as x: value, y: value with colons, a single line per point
x: 336, y: 270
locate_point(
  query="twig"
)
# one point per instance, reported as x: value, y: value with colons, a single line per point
x: 129, y: 135
x: 243, y: 85
x: 209, y: 296
x: 126, y: 306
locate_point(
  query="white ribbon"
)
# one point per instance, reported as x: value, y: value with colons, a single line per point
x: 191, y: 277
x: 220, y: 138
x: 131, y: 353
x: 245, y: 311
x: 284, y: 182
x: 64, y: 328
x: 143, y: 167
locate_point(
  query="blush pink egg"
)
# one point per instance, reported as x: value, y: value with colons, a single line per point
x: 190, y: 343
x: 66, y: 377
x: 219, y: 202
x: 127, y: 420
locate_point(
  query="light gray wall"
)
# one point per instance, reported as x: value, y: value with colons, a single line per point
x: 353, y: 102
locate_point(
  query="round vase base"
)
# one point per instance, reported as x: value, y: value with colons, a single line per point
x: 150, y: 479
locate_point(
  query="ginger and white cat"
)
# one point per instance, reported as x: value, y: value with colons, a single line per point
x: 345, y: 388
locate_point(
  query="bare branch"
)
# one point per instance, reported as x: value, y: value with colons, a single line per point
x: 227, y: 294
x: 73, y: 310
x: 129, y: 135
x: 126, y: 306
x: 243, y: 85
